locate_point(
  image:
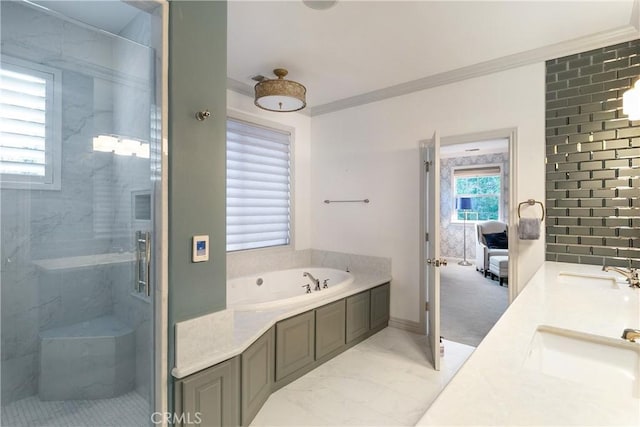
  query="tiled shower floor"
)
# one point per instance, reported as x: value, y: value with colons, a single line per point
x: 128, y: 410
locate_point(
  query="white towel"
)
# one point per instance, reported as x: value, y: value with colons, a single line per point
x: 529, y: 228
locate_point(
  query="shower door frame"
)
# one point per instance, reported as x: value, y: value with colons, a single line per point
x: 160, y: 330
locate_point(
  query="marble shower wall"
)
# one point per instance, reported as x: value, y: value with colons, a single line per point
x: 106, y: 89
x: 451, y: 234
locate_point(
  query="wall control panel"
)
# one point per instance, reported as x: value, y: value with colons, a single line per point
x: 200, y: 250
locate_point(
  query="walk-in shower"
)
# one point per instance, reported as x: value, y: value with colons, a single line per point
x: 80, y: 175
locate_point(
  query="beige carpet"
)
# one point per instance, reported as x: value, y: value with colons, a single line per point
x: 469, y: 303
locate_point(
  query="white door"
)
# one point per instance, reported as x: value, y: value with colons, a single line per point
x: 432, y: 261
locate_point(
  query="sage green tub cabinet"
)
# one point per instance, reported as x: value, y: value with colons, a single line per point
x: 330, y: 329
x: 379, y: 307
x: 358, y: 309
x: 295, y: 344
x: 210, y: 397
x: 258, y: 363
x: 232, y: 392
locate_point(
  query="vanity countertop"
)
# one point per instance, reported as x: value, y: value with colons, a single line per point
x: 505, y: 382
x: 206, y: 340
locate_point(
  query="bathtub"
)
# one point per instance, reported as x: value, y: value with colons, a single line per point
x: 279, y: 288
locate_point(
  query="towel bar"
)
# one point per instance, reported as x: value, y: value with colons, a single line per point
x: 347, y: 201
x: 531, y: 202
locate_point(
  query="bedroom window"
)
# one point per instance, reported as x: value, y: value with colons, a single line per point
x: 484, y: 186
x: 258, y: 186
x: 30, y: 123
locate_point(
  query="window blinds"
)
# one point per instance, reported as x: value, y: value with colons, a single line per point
x: 23, y: 122
x: 477, y: 171
x: 258, y: 186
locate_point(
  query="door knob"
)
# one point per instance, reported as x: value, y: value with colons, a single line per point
x: 437, y: 262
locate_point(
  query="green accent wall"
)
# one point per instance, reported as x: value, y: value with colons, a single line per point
x: 197, y: 81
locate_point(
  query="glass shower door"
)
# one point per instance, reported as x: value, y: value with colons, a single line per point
x: 80, y: 179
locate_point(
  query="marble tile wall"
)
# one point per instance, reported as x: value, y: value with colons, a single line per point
x: 451, y: 235
x: 135, y: 311
x: 245, y: 263
x: 352, y: 262
x: 104, y: 91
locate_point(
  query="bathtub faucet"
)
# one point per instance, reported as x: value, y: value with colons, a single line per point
x: 631, y: 275
x: 313, y: 279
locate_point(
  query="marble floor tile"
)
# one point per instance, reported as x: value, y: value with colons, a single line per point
x: 386, y: 380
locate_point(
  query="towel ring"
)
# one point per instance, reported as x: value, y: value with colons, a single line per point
x: 531, y: 202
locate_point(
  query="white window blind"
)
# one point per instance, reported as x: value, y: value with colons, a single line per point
x: 27, y: 124
x: 258, y: 186
x: 479, y: 171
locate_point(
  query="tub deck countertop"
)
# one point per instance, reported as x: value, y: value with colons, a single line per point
x: 206, y: 340
x: 508, y: 382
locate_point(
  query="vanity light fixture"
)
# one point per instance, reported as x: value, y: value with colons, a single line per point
x: 279, y: 94
x: 631, y: 102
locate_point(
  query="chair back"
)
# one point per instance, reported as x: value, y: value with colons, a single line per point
x: 489, y: 227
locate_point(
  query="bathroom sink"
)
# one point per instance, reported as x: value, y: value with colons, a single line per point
x: 591, y: 360
x: 589, y: 280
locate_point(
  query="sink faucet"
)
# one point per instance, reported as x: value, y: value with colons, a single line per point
x: 313, y: 279
x: 630, y: 334
x: 630, y: 273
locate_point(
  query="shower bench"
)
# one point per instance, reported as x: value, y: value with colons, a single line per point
x: 94, y: 359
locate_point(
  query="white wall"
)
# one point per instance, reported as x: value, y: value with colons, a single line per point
x: 371, y: 151
x: 301, y: 158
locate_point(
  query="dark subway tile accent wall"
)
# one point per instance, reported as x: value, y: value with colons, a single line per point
x: 593, y: 158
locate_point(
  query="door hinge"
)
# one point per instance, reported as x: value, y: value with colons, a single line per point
x: 426, y: 237
x: 426, y: 306
x: 426, y: 165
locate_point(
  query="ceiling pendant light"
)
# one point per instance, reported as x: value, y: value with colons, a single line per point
x: 631, y: 102
x: 319, y: 4
x: 279, y: 94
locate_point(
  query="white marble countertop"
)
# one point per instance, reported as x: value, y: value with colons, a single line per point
x: 206, y: 340
x: 496, y: 387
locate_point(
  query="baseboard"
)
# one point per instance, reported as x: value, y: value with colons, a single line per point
x: 407, y: 325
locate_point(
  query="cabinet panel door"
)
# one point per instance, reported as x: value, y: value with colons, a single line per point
x: 295, y: 341
x: 257, y: 375
x: 357, y: 316
x: 211, y: 396
x: 380, y: 306
x: 330, y: 328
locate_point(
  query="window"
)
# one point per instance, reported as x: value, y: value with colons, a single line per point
x: 258, y: 186
x: 30, y: 121
x: 483, y: 186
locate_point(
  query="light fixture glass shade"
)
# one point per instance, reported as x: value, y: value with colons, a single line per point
x: 631, y: 102
x: 279, y: 94
x: 319, y: 4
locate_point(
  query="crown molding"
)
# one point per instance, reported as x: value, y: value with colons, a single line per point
x: 533, y: 56
x: 557, y: 50
x: 239, y: 87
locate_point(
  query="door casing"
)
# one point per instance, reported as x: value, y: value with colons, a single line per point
x: 511, y: 135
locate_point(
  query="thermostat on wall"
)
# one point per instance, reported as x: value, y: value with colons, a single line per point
x: 200, y: 251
